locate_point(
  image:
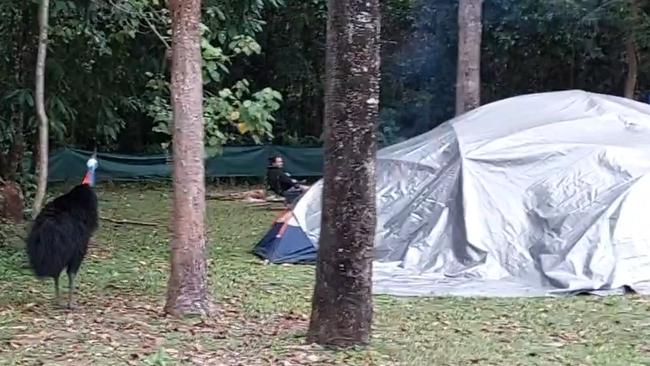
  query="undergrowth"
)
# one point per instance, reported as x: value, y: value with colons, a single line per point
x: 265, y: 308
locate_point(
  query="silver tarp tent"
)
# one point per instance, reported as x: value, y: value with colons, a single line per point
x: 536, y: 195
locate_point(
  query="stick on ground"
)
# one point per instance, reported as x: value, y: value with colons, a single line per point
x: 129, y: 222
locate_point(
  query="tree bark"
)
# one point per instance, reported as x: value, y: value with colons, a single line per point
x: 187, y: 287
x: 342, y: 301
x: 468, y: 79
x: 43, y: 14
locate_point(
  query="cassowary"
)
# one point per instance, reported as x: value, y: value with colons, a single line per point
x: 60, y: 234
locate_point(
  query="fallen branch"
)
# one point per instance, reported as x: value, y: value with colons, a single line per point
x: 259, y: 204
x: 271, y: 206
x: 276, y: 208
x: 259, y: 194
x: 222, y: 198
x: 129, y: 222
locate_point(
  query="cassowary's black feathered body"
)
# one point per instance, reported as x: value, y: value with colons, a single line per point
x: 60, y: 234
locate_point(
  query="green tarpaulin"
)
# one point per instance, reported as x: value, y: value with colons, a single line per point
x: 234, y: 161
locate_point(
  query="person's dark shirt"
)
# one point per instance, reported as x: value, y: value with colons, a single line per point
x: 278, y: 180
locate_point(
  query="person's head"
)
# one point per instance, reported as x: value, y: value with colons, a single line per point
x: 276, y: 161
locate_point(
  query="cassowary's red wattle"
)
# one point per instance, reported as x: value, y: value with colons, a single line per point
x: 88, y: 179
x: 60, y: 234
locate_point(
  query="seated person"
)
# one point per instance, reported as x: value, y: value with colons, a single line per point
x: 281, y: 182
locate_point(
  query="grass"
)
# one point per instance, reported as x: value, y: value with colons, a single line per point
x: 265, y: 309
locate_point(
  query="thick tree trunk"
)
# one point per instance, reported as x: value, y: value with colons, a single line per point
x: 468, y: 79
x: 43, y: 134
x: 342, y: 301
x: 187, y: 288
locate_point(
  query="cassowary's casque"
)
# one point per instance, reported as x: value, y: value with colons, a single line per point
x: 60, y: 234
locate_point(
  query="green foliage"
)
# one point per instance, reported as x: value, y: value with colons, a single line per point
x: 534, y: 46
x: 108, y: 65
x: 108, y: 68
x: 528, y: 46
x: 228, y: 115
x: 229, y: 112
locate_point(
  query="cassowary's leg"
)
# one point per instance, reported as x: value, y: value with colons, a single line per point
x: 57, y: 294
x: 71, y: 276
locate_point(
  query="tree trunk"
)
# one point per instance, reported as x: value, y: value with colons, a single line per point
x: 43, y: 14
x: 11, y: 163
x: 22, y: 47
x: 468, y: 79
x: 342, y: 302
x: 632, y: 54
x: 17, y: 149
x: 632, y: 68
x: 187, y: 287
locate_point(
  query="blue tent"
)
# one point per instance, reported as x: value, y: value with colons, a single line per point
x: 286, y: 242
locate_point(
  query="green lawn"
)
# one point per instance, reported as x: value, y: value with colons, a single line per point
x: 264, y: 309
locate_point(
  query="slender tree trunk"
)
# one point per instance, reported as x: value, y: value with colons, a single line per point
x: 43, y: 14
x: 17, y: 150
x: 13, y: 202
x: 632, y: 53
x: 342, y: 301
x: 468, y: 82
x: 187, y: 288
x: 10, y: 163
x: 632, y: 68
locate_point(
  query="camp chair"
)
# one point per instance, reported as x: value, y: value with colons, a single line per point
x: 291, y: 196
